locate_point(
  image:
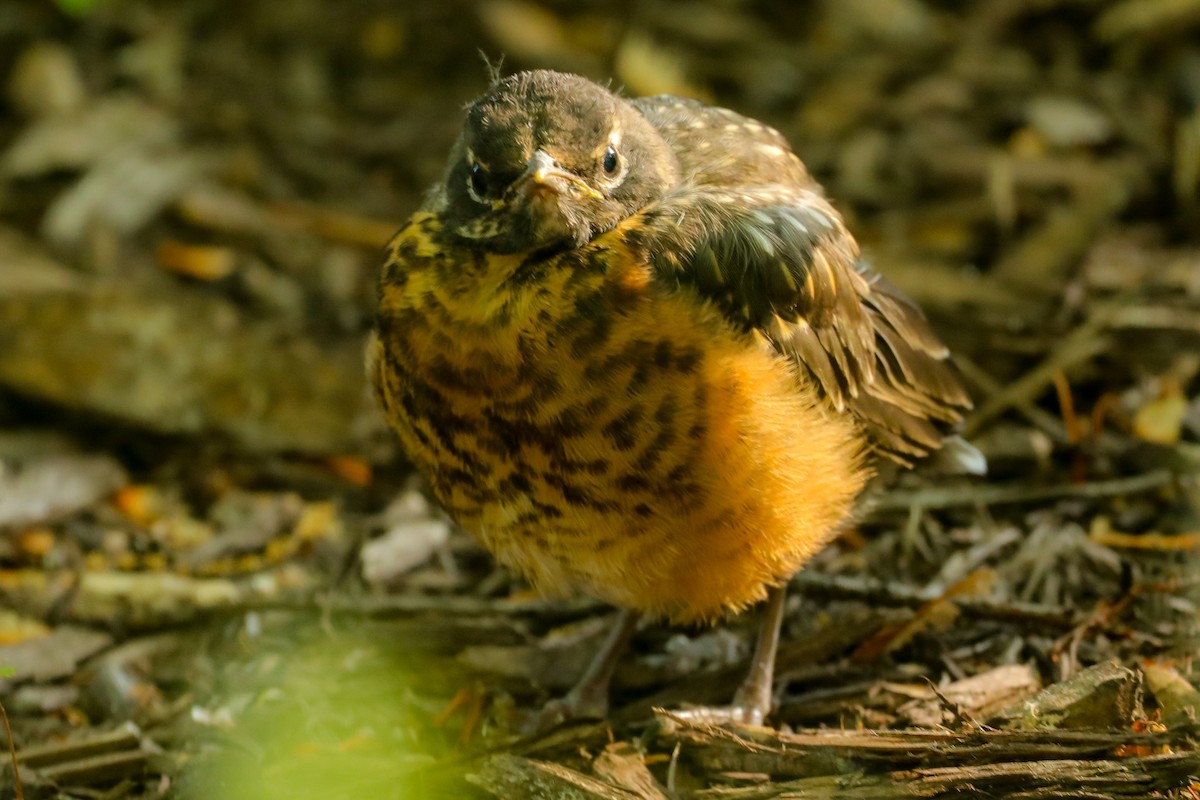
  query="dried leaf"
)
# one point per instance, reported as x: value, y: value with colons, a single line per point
x: 45, y: 81
x: 900, y: 22
x: 151, y: 599
x: 351, y: 468
x: 187, y: 363
x: 1140, y: 17
x: 1067, y: 121
x: 28, y: 269
x: 55, y: 487
x: 622, y: 765
x: 146, y: 178
x: 51, y: 657
x: 1161, y: 419
x: 402, y: 548
x: 1178, y: 699
x: 15, y: 628
x: 77, y: 140
x: 204, y: 263
x: 144, y: 504
x: 384, y: 37
x: 935, y: 615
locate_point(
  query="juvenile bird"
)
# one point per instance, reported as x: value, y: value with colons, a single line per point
x: 632, y: 348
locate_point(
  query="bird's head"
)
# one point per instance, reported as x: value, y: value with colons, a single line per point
x: 549, y: 161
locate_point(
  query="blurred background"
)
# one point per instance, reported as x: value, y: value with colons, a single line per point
x: 194, y: 197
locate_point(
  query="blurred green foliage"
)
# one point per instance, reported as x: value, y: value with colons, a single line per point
x: 76, y: 8
x: 332, y: 719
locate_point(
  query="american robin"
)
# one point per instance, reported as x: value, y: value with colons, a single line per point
x: 633, y: 349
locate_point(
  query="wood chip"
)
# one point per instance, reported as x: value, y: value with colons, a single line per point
x: 514, y: 777
x: 1105, y: 696
x: 979, y: 697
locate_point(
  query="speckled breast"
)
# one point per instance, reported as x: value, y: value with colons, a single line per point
x: 597, y: 431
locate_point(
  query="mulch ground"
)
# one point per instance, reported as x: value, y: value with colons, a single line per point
x: 218, y: 578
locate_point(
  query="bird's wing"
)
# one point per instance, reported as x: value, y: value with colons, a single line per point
x: 776, y: 259
x: 716, y: 146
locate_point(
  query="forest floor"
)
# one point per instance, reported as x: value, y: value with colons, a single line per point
x: 219, y: 579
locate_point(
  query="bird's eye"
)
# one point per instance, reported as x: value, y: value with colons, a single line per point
x: 477, y: 182
x: 611, y: 160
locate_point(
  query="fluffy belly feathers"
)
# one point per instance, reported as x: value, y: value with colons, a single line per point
x: 600, y: 432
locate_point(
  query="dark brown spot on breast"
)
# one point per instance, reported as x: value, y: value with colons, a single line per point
x: 664, y: 355
x: 594, y: 327
x: 633, y: 483
x: 515, y: 484
x: 623, y: 429
x: 687, y: 359
x: 664, y: 435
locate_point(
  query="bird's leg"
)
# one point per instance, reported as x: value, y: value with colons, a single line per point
x: 589, y: 696
x: 752, y: 702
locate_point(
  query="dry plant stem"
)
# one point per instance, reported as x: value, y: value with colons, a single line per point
x: 1066, y: 402
x: 1054, y: 778
x: 12, y: 753
x: 812, y: 752
x: 948, y: 497
x: 1080, y: 345
x: 989, y: 386
x: 105, y: 768
x: 1086, y: 341
x: 404, y: 605
x: 818, y: 586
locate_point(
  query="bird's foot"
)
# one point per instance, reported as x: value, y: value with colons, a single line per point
x: 736, y: 713
x: 589, y: 702
x: 589, y: 698
x: 754, y: 700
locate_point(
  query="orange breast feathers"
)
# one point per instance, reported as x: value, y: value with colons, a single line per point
x: 632, y: 443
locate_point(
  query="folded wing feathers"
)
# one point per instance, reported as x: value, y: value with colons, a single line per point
x: 869, y: 348
x: 780, y: 261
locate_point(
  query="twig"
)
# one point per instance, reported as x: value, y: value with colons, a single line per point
x: 951, y: 496
x: 989, y: 386
x: 1079, y: 346
x: 121, y: 740
x: 12, y: 753
x: 1160, y: 317
x: 98, y: 769
x: 875, y: 593
x: 1066, y: 403
x: 1087, y: 340
x: 385, y: 607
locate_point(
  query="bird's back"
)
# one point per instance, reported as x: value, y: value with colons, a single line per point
x: 719, y: 147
